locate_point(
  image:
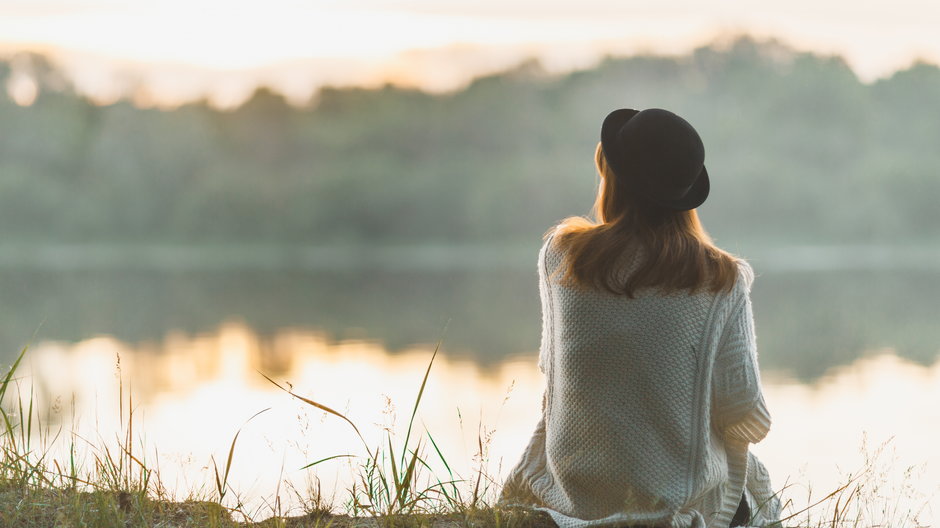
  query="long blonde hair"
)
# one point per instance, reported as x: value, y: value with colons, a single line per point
x: 678, y: 253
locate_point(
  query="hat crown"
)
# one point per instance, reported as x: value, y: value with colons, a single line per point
x: 657, y: 153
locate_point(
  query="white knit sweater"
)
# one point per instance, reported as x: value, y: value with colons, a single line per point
x: 649, y: 407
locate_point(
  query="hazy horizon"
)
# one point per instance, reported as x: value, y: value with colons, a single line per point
x: 163, y: 54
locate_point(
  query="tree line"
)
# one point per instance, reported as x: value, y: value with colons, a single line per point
x: 799, y: 150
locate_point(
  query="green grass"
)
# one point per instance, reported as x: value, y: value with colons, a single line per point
x: 110, y: 484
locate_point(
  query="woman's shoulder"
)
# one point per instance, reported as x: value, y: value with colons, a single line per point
x: 745, y: 278
x: 552, y: 234
x: 551, y: 251
x: 740, y: 291
x: 555, y: 247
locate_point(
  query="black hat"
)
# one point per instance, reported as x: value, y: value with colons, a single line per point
x: 658, y: 154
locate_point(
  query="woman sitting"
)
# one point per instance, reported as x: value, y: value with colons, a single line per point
x: 652, y: 386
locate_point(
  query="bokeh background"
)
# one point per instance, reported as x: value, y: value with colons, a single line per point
x: 194, y: 191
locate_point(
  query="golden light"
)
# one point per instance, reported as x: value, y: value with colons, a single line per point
x: 185, y: 49
x: 221, y: 388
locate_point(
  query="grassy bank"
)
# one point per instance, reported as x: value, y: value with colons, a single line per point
x: 395, y: 484
x: 110, y: 485
x: 30, y: 507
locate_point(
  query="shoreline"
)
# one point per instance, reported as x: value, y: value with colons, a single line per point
x: 191, y: 257
x: 27, y: 508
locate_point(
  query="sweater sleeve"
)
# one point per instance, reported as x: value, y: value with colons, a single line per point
x: 739, y: 409
x: 545, y: 296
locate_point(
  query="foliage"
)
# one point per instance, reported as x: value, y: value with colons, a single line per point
x: 798, y: 147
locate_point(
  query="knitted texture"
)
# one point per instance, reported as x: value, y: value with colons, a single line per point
x: 649, y: 407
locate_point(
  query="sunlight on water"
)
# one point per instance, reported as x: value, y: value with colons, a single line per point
x: 191, y: 394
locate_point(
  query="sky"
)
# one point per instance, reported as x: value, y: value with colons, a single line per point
x: 167, y: 51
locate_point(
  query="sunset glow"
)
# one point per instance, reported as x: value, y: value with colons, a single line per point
x: 184, y: 49
x: 210, y: 385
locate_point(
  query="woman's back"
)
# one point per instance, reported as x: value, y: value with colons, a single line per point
x: 652, y: 386
x: 628, y: 396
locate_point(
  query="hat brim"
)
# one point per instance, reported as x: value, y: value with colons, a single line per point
x: 621, y: 167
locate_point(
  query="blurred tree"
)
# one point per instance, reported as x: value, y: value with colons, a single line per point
x: 799, y: 149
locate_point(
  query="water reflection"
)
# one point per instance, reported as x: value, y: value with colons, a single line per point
x: 808, y: 321
x: 193, y: 392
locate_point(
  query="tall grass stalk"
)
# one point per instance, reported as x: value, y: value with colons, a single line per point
x: 119, y: 489
x: 389, y: 482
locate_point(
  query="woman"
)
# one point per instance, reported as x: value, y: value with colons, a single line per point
x: 653, y: 393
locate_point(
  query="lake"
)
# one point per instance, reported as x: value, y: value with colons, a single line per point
x: 849, y: 358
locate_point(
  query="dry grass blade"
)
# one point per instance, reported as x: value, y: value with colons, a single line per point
x: 840, y: 513
x: 391, y: 458
x: 406, y: 479
x: 476, y: 487
x: 310, y: 465
x: 836, y: 492
x: 221, y: 483
x: 323, y: 408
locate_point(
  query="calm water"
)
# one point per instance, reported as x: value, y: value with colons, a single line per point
x: 849, y: 359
